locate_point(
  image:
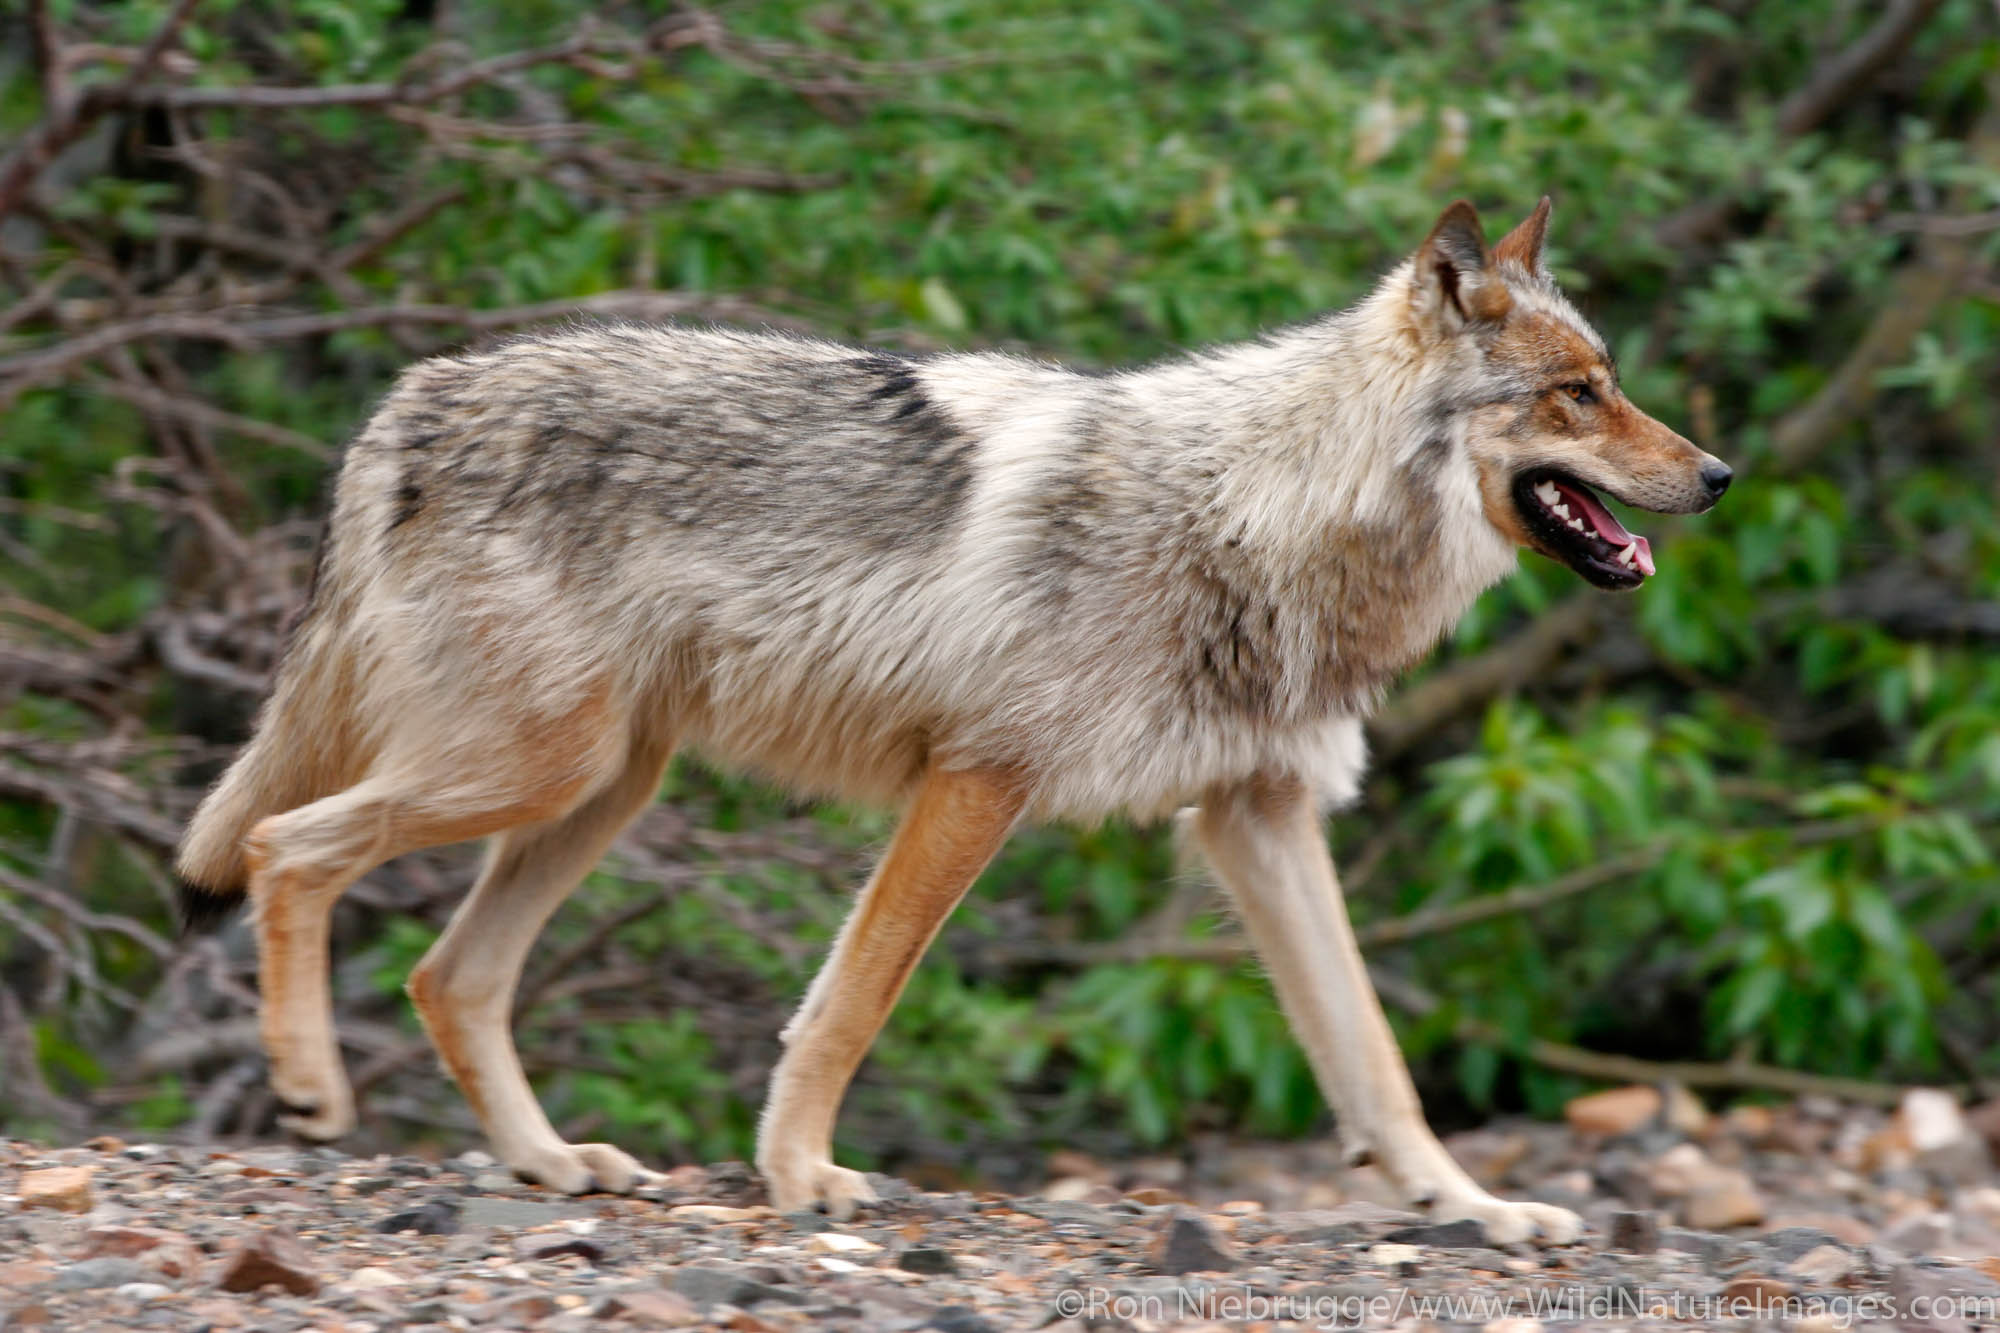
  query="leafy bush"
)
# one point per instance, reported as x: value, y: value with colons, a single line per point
x: 1786, y: 749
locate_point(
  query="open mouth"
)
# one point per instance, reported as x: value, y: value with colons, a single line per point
x: 1570, y: 523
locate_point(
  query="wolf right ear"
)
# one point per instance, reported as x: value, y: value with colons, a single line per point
x: 1455, y: 282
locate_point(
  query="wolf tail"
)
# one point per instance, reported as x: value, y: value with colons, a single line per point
x: 303, y: 748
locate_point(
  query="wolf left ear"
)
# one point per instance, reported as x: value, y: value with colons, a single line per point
x: 1523, y: 245
x: 1455, y: 281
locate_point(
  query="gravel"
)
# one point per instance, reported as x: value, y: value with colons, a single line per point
x: 1860, y: 1224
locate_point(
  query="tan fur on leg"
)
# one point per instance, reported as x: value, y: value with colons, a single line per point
x: 1265, y: 842
x: 464, y: 987
x: 952, y: 828
x: 303, y: 860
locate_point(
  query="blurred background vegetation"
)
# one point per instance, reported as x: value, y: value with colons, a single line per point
x: 1737, y: 828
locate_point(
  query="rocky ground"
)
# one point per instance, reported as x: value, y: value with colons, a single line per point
x: 1809, y: 1216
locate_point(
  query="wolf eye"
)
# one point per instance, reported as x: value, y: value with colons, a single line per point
x: 1579, y: 393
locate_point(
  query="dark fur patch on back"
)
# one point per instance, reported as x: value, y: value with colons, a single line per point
x: 575, y: 439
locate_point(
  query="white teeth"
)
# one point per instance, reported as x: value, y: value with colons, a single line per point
x: 1576, y: 523
x: 1562, y: 510
x: 1547, y: 493
x: 1628, y: 555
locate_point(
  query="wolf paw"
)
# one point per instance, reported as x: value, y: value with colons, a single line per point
x: 321, y: 1114
x: 817, y: 1183
x: 583, y: 1168
x: 1507, y: 1222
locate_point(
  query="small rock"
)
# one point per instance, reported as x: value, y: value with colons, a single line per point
x: 1683, y: 1111
x: 1392, y: 1255
x: 1823, y: 1266
x: 1844, y: 1229
x: 808, y: 1221
x: 272, y: 1257
x: 1617, y: 1111
x: 370, y: 1279
x: 1678, y: 1170
x: 554, y: 1245
x: 715, y: 1212
x: 1919, y: 1234
x: 485, y: 1212
x: 835, y: 1264
x: 841, y: 1242
x: 496, y: 1182
x: 1464, y: 1234
x: 959, y: 1319
x: 475, y: 1161
x: 63, y: 1188
x: 165, y: 1252
x: 144, y: 1292
x: 89, y: 1274
x: 1754, y: 1298
x: 1941, y: 1139
x: 1754, y: 1124
x: 1723, y: 1198
x: 1947, y: 1295
x: 650, y: 1308
x: 1635, y: 1232
x: 1788, y: 1243
x: 1488, y: 1154
x: 706, y: 1286
x: 1154, y: 1196
x: 526, y: 1307
x: 1187, y: 1244
x: 436, y: 1217
x: 928, y: 1260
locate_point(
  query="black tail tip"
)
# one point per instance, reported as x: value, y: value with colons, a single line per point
x: 203, y: 908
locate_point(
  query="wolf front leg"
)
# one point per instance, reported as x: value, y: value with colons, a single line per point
x: 950, y: 831
x: 1264, y: 840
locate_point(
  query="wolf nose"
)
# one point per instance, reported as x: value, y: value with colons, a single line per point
x: 1715, y: 476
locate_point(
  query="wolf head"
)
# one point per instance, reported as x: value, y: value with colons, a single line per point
x: 1546, y: 424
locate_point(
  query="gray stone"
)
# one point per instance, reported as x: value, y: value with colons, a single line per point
x: 808, y: 1221
x: 707, y: 1285
x: 1187, y: 1244
x: 483, y: 1212
x: 87, y: 1274
x: 1464, y: 1234
x: 960, y: 1319
x: 1789, y: 1243
x: 435, y: 1217
x: 927, y: 1259
x: 557, y: 1245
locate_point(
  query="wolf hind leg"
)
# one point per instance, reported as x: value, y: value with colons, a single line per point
x: 951, y: 829
x: 464, y: 986
x: 301, y: 861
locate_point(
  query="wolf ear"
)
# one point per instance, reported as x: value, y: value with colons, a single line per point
x: 1523, y: 245
x: 1455, y: 281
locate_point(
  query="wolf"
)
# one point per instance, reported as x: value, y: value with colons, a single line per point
x: 983, y: 588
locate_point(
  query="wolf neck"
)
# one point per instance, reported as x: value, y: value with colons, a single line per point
x: 1339, y: 519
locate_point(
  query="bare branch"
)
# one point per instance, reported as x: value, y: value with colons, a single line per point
x: 65, y: 122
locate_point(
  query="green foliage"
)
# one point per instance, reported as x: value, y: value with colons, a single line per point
x: 1812, y: 767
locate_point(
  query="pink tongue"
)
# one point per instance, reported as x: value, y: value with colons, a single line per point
x: 1608, y: 527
